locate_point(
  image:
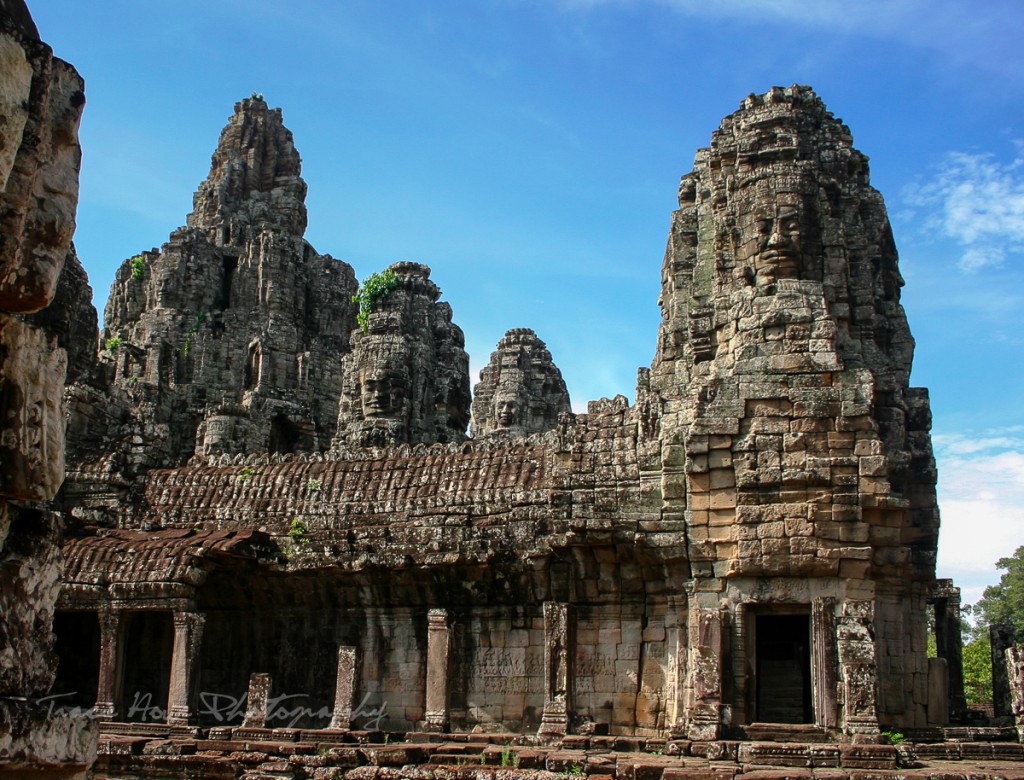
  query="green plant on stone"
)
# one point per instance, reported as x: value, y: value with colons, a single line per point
x: 256, y: 96
x: 509, y: 758
x: 245, y: 473
x: 138, y: 267
x: 297, y: 532
x: 894, y: 737
x: 113, y: 343
x: 186, y: 347
x: 313, y: 485
x: 375, y: 288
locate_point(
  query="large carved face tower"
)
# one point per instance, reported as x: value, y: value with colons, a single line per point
x: 406, y: 380
x: 793, y: 448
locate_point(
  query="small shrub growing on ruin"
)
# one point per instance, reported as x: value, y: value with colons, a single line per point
x: 113, y: 343
x: 245, y: 473
x: 895, y: 737
x: 313, y: 485
x: 375, y: 288
x: 509, y: 758
x: 138, y: 267
x: 191, y: 333
x: 256, y: 96
x: 297, y: 532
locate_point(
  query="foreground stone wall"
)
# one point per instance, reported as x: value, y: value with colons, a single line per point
x: 41, y: 101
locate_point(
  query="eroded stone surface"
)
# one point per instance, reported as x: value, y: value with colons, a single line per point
x: 41, y: 101
x: 792, y: 444
x: 521, y: 390
x: 407, y: 379
x: 230, y: 338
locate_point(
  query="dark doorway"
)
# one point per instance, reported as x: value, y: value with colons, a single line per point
x: 223, y: 300
x: 78, y: 659
x: 149, y: 644
x: 783, y: 673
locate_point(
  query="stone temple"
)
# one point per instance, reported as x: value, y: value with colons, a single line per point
x: 265, y: 499
x: 257, y: 486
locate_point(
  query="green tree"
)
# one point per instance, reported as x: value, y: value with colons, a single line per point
x: 1004, y: 602
x: 978, y: 670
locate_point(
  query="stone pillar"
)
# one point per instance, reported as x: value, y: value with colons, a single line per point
x: 1002, y: 637
x: 344, y: 688
x: 438, y: 666
x: 740, y: 652
x: 184, y: 688
x: 705, y: 675
x: 859, y: 664
x: 1015, y: 674
x: 938, y: 692
x: 256, y: 701
x: 825, y: 659
x: 949, y: 643
x: 111, y: 672
x: 677, y: 665
x: 558, y: 669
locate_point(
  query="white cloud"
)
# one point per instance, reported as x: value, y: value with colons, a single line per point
x: 981, y: 497
x: 979, y: 203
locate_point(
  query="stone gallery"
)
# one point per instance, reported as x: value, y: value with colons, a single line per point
x: 260, y: 485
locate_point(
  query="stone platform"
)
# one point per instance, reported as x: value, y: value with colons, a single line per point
x: 252, y: 754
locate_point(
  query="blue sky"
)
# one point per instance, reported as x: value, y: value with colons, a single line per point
x: 529, y: 152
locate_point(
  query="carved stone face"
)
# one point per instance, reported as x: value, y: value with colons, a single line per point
x: 770, y: 242
x: 377, y: 394
x: 506, y: 410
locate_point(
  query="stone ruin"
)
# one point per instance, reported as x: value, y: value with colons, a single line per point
x: 41, y: 101
x: 752, y: 541
x: 265, y: 500
x: 521, y: 390
x: 406, y: 380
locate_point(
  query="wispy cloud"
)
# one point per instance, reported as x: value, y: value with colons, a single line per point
x: 984, y: 37
x: 978, y: 201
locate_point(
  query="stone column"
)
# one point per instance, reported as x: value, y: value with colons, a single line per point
x: 111, y: 672
x: 1002, y: 637
x: 1015, y: 674
x: 256, y: 701
x: 825, y: 659
x: 938, y: 692
x: 704, y: 686
x: 558, y: 669
x: 859, y: 664
x: 438, y: 666
x: 740, y: 663
x: 184, y: 688
x: 676, y: 710
x: 344, y: 688
x: 949, y: 643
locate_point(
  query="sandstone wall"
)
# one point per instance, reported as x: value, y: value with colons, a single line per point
x: 41, y: 101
